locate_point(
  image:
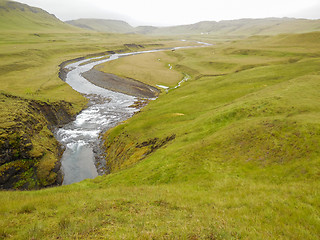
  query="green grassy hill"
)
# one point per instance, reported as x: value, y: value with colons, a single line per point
x: 232, y: 154
x: 236, y: 72
x: 18, y: 17
x: 102, y: 25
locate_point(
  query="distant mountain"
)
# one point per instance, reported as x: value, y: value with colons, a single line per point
x: 18, y: 17
x: 245, y: 27
x: 102, y: 25
x: 266, y: 26
x: 145, y: 29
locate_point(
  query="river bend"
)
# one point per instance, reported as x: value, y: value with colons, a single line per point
x: 106, y: 109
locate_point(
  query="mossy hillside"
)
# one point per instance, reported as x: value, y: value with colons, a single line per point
x: 207, y: 95
x: 259, y: 124
x: 29, y: 152
x: 211, y: 112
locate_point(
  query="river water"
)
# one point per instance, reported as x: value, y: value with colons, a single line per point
x: 106, y: 109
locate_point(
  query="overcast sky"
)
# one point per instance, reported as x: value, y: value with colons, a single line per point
x: 176, y: 12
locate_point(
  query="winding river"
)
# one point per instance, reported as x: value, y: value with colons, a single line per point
x: 106, y: 109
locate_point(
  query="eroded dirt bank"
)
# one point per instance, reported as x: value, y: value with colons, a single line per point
x: 29, y: 153
x: 124, y: 150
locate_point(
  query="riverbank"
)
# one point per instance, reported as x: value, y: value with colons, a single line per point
x: 118, y: 84
x: 25, y: 161
x: 81, y: 158
x: 31, y: 92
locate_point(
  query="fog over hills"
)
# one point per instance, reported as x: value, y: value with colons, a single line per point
x: 15, y: 16
x: 266, y: 26
x: 179, y: 12
x: 102, y: 25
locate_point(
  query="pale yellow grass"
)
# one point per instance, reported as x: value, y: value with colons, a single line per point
x: 151, y: 68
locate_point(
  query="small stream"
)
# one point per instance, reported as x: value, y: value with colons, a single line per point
x: 106, y: 109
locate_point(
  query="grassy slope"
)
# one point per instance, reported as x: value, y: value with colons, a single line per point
x: 244, y: 163
x: 32, y: 96
x: 17, y: 17
x: 151, y: 68
x: 259, y: 68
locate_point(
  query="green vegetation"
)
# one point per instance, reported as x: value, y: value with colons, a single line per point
x: 255, y: 88
x: 232, y: 154
x: 249, y: 136
x: 33, y: 99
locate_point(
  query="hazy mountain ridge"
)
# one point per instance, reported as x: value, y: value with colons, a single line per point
x: 265, y: 26
x: 102, y: 25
